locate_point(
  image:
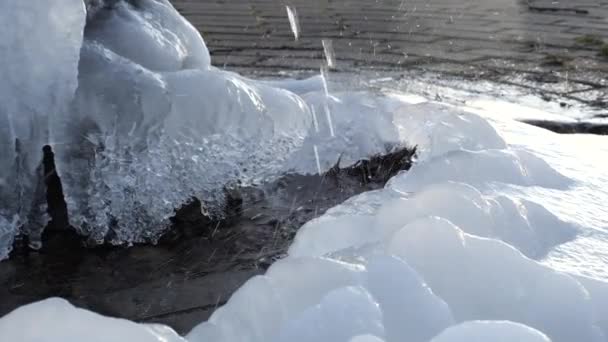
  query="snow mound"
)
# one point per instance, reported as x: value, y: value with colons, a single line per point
x: 55, y: 320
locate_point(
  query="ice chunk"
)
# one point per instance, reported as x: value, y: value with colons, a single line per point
x: 119, y: 110
x: 40, y: 46
x: 55, y: 320
x: 152, y: 125
x: 483, y: 331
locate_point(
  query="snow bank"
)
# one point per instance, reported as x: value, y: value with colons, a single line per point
x: 55, y: 320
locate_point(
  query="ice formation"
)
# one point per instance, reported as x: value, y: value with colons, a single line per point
x: 140, y: 122
x: 39, y: 80
x: 476, y: 243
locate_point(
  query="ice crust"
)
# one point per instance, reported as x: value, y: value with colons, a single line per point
x: 460, y: 248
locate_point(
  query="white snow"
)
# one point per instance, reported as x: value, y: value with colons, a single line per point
x: 498, y: 232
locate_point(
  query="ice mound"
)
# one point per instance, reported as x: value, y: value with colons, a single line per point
x: 488, y: 279
x: 481, y: 169
x: 448, y: 129
x: 424, y: 278
x: 446, y: 276
x: 383, y: 296
x: 524, y: 224
x: 480, y: 331
x: 55, y: 320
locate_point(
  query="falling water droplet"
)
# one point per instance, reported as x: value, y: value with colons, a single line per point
x: 328, y: 49
x: 315, y: 120
x: 293, y: 21
x: 316, y: 149
x: 329, y: 119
